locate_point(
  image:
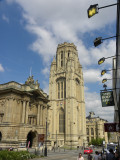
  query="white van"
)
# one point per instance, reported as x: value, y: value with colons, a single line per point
x: 110, y: 146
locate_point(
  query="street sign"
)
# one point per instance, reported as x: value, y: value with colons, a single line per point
x: 107, y: 98
x: 41, y: 137
x: 111, y: 127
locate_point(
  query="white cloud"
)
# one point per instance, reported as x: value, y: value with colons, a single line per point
x: 60, y: 21
x: 93, y: 103
x: 74, y: 13
x: 66, y: 20
x: 91, y: 75
x: 94, y: 75
x: 46, y: 87
x: 1, y: 68
x: 5, y: 18
x: 46, y: 71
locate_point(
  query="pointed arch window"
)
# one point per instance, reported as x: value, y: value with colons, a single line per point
x: 62, y: 59
x: 78, y: 96
x: 58, y: 90
x: 68, y: 53
x: 87, y: 130
x: 61, y: 88
x: 61, y: 122
x: 92, y: 131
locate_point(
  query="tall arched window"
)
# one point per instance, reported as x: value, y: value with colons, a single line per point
x: 68, y: 53
x: 61, y: 85
x: 58, y: 90
x: 61, y: 122
x: 87, y: 130
x: 62, y: 89
x: 92, y: 131
x: 62, y: 59
x: 0, y: 136
x: 77, y: 88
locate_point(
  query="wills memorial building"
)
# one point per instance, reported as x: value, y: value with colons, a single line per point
x: 67, y: 122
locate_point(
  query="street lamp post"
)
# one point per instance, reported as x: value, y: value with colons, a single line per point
x: 71, y: 132
x: 117, y: 75
x: 105, y: 71
x: 103, y: 59
x: 117, y: 82
x: 93, y: 9
x: 45, y: 153
x: 100, y: 40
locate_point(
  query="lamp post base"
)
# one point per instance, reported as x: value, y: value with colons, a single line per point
x: 45, y: 152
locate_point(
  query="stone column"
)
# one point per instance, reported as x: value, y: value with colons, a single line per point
x: 38, y: 115
x: 41, y: 115
x: 26, y: 118
x: 23, y: 112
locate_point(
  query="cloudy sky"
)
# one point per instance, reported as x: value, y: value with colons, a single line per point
x: 30, y: 31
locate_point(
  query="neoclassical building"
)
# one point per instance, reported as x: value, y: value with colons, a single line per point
x: 23, y: 113
x: 95, y: 127
x: 67, y: 119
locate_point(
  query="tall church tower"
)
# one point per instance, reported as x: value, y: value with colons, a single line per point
x: 67, y: 119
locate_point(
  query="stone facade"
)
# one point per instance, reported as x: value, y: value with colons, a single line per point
x: 95, y: 128
x: 67, y: 122
x: 23, y: 113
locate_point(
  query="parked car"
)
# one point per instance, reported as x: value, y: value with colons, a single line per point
x: 88, y: 150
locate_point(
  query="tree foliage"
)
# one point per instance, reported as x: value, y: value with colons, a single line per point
x: 97, y: 141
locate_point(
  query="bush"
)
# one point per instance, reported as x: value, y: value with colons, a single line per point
x: 12, y: 155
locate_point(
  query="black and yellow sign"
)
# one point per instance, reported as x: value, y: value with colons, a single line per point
x: 107, y: 98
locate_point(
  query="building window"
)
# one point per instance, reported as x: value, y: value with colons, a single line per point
x: 87, y: 130
x: 62, y: 59
x: 58, y: 90
x: 78, y: 96
x: 61, y: 85
x: 92, y: 131
x: 0, y: 136
x: 61, y: 122
x: 68, y: 53
x: 64, y: 89
x: 88, y: 139
x: 61, y: 89
x: 1, y: 117
x: 32, y: 120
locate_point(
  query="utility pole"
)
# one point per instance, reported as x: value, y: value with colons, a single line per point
x: 117, y: 68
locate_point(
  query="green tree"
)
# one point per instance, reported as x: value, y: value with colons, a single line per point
x: 97, y: 141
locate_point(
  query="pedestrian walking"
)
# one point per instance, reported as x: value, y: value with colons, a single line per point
x: 110, y: 156
x: 90, y: 157
x: 101, y: 156
x: 80, y: 157
x: 117, y: 155
x: 96, y: 156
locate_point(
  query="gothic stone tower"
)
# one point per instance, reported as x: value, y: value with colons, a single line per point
x: 67, y: 122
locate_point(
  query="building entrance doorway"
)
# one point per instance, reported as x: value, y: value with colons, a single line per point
x: 0, y: 136
x: 31, y: 139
